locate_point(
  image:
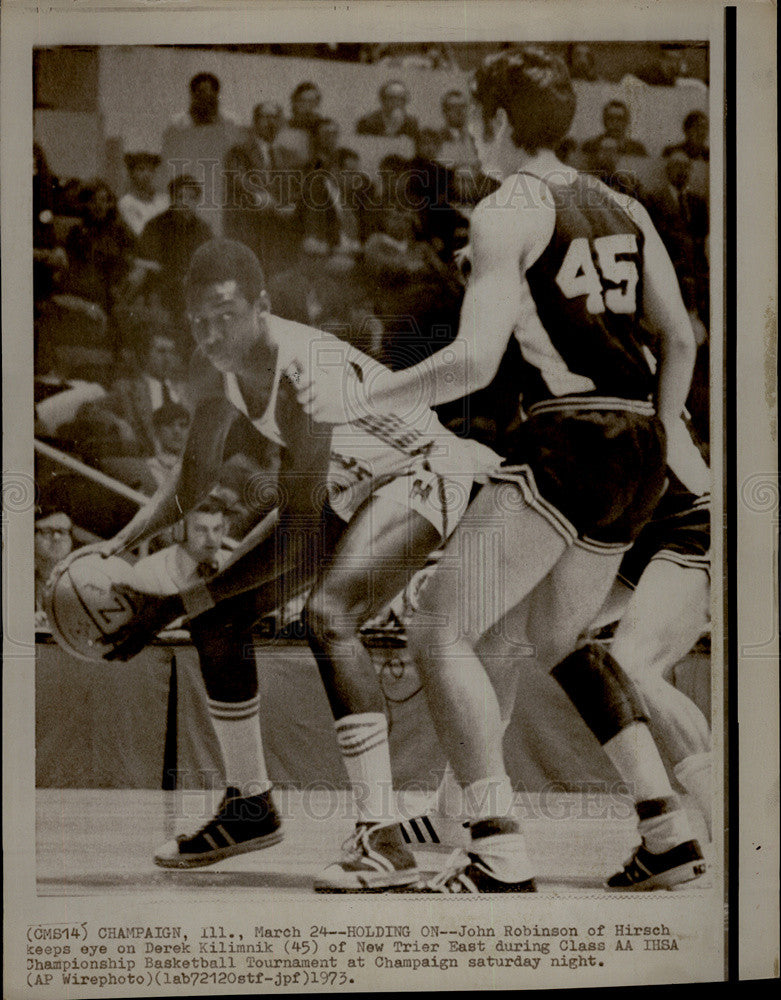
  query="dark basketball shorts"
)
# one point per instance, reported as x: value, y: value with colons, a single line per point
x: 593, y: 467
x: 678, y: 532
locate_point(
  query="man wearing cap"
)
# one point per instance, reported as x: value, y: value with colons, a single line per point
x: 142, y: 202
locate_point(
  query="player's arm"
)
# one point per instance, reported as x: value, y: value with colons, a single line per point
x: 502, y: 237
x: 666, y: 314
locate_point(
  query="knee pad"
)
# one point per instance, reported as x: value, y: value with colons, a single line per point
x: 603, y: 694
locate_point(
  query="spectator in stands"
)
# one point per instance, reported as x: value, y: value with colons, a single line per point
x: 198, y: 556
x: 581, y: 62
x: 295, y: 139
x: 695, y: 144
x: 197, y: 140
x: 431, y: 193
x: 171, y: 422
x: 393, y: 176
x: 142, y: 202
x: 615, y: 117
x: 99, y: 249
x: 681, y: 218
x: 171, y: 238
x: 410, y: 280
x: 391, y: 118
x: 358, y: 195
x: 158, y: 384
x: 53, y: 543
x: 96, y: 434
x: 261, y: 192
x: 49, y: 259
x: 327, y: 222
x: 316, y: 289
x: 455, y: 108
x: 603, y: 161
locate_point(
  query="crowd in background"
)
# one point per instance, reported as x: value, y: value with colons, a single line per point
x: 374, y: 258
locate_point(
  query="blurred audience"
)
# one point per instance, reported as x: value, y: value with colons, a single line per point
x: 616, y: 119
x: 169, y: 241
x: 171, y: 422
x: 295, y: 139
x: 581, y: 62
x: 392, y: 117
x: 142, y: 201
x: 431, y: 193
x: 53, y: 543
x: 158, y: 384
x: 262, y: 190
x: 695, y: 144
x: 603, y: 162
x: 99, y: 249
x: 327, y: 220
x: 198, y: 556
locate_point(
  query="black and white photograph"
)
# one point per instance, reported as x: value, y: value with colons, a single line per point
x: 368, y: 473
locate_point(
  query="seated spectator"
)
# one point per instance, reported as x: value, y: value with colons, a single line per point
x: 455, y: 112
x: 198, y: 556
x: 393, y: 178
x: 391, y: 118
x: 142, y: 202
x: 50, y: 261
x: 314, y: 291
x: 261, y: 192
x: 615, y: 117
x: 170, y: 239
x: 695, y: 144
x: 237, y: 491
x: 581, y: 62
x: 431, y: 193
x: 199, y: 138
x: 157, y: 384
x: 410, y: 281
x: 295, y: 139
x: 603, y: 160
x: 53, y: 543
x: 171, y: 422
x: 358, y: 195
x: 99, y: 249
x: 681, y: 218
x: 327, y: 223
x: 96, y: 434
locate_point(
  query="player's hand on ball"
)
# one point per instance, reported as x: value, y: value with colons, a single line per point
x: 107, y: 547
x: 152, y: 613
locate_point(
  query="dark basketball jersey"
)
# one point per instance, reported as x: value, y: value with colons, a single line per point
x: 580, y: 328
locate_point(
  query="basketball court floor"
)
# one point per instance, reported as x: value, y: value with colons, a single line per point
x: 97, y: 841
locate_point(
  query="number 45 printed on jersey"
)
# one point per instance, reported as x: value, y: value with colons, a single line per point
x: 580, y: 275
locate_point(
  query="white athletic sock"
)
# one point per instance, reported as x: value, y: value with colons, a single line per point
x: 635, y: 756
x: 450, y: 796
x: 506, y: 855
x: 363, y: 742
x: 667, y: 829
x: 237, y: 725
x: 694, y: 774
x: 489, y: 798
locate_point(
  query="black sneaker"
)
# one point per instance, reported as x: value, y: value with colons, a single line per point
x: 241, y: 825
x: 374, y: 859
x: 468, y: 872
x: 645, y: 870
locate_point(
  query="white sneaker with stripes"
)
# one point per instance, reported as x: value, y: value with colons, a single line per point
x: 374, y: 859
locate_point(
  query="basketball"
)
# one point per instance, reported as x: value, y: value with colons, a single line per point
x: 81, y: 607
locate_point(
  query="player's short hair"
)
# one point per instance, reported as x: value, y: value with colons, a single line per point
x: 169, y: 413
x: 533, y: 86
x: 225, y: 260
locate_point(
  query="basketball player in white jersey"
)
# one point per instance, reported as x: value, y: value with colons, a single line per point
x: 571, y: 269
x: 401, y: 486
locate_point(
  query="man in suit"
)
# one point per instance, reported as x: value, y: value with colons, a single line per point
x: 261, y: 186
x: 391, y: 118
x: 615, y: 117
x: 135, y: 400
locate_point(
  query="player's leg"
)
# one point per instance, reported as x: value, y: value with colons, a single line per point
x: 667, y: 613
x: 499, y: 552
x: 384, y: 544
x: 246, y: 819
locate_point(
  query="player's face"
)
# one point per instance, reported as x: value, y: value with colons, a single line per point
x: 205, y: 533
x: 224, y: 325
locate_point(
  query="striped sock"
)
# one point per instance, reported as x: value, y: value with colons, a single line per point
x: 237, y: 725
x: 663, y: 824
x: 363, y: 742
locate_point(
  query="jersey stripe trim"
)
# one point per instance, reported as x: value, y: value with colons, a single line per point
x: 641, y: 406
x: 523, y: 477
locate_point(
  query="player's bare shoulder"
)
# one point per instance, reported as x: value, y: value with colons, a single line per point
x: 514, y: 221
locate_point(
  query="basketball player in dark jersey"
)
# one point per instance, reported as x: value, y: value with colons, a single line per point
x: 571, y: 269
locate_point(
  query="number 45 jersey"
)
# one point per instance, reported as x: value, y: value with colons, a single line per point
x: 579, y: 330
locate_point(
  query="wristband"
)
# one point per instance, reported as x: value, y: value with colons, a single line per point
x: 197, y: 599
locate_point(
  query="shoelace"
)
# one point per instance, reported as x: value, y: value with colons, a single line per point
x: 353, y: 847
x: 196, y: 833
x: 454, y: 866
